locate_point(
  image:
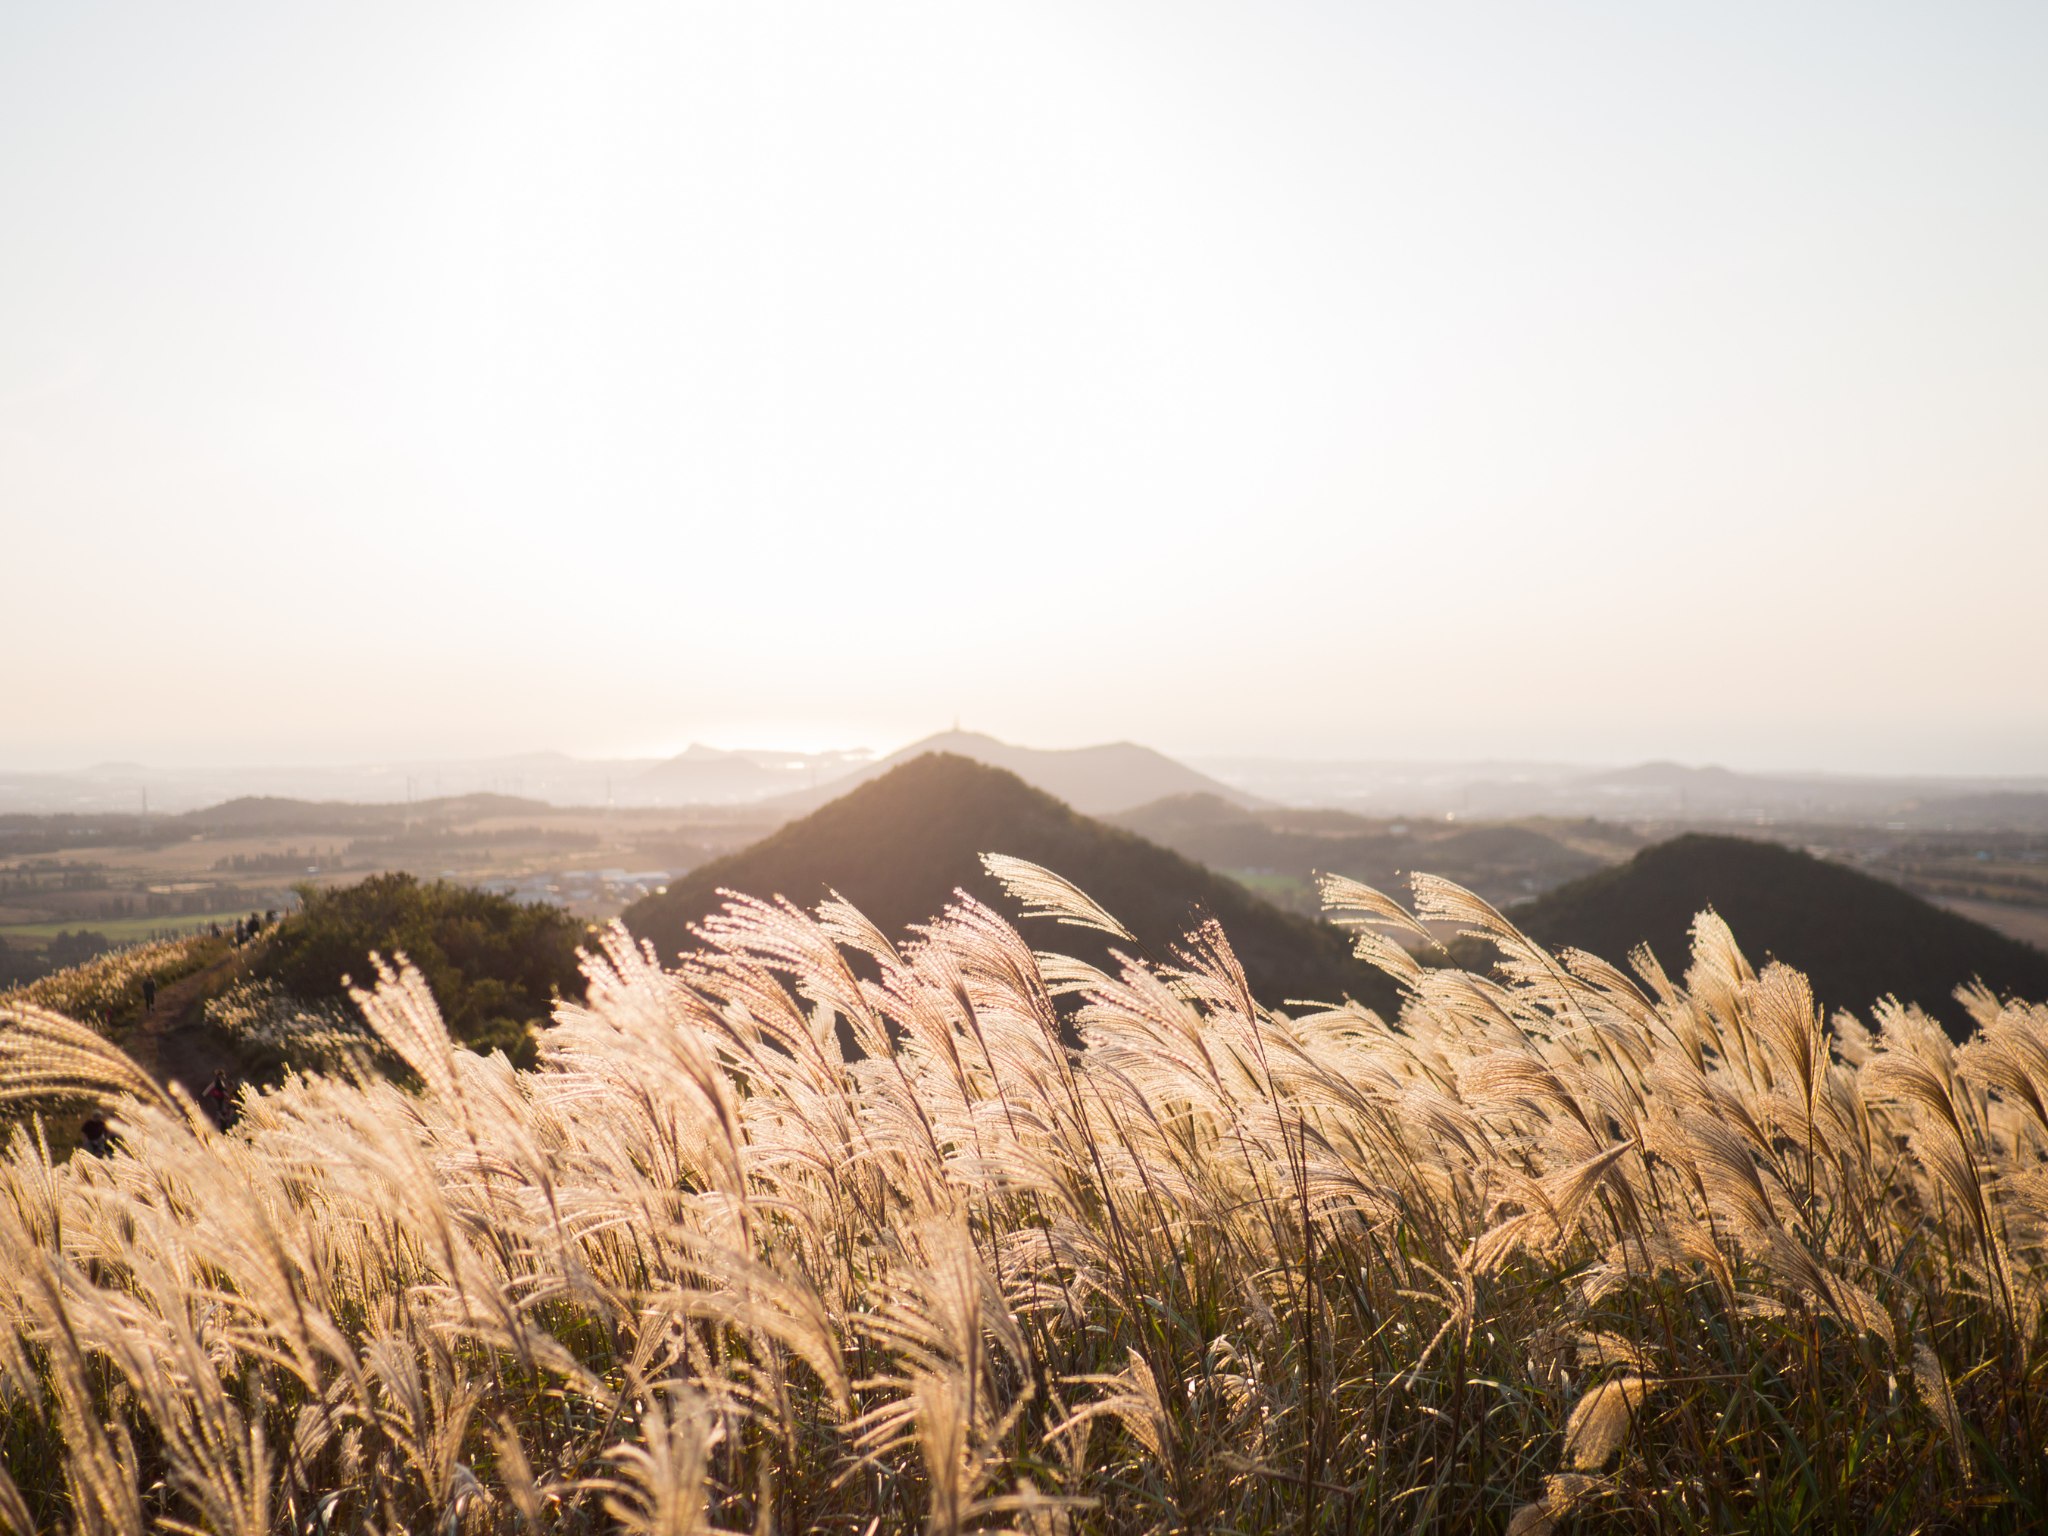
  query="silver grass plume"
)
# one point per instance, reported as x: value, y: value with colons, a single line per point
x: 1600, y: 1422
x: 1045, y: 894
x: 44, y: 1055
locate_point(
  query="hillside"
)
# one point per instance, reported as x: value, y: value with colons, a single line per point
x: 1093, y: 780
x: 897, y: 847
x: 495, y: 965
x: 1856, y: 937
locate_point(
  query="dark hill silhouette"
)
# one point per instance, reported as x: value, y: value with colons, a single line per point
x: 898, y: 847
x: 1857, y: 938
x: 1093, y: 780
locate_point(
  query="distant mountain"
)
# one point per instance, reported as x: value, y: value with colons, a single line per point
x: 1093, y: 780
x: 712, y: 776
x: 1857, y: 938
x: 540, y: 776
x: 898, y: 845
x: 1280, y: 851
x: 1668, y: 775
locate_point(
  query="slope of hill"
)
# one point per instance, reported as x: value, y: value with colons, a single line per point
x: 1856, y: 937
x: 1093, y: 780
x: 897, y: 847
x: 1280, y: 851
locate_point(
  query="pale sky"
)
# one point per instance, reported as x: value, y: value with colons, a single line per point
x: 1594, y: 382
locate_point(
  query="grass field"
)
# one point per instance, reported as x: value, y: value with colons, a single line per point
x: 1060, y: 1249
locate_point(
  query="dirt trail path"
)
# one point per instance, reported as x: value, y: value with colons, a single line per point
x: 172, y: 1042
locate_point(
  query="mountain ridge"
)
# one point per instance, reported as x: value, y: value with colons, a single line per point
x: 1096, y: 780
x: 898, y: 846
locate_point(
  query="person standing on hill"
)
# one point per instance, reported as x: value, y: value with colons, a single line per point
x: 219, y: 1100
x: 148, y: 993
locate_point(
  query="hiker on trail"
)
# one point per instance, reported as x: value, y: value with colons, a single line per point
x: 95, y: 1137
x: 148, y: 992
x: 219, y: 1100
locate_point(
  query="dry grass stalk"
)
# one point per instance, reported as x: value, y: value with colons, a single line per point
x: 1219, y: 1266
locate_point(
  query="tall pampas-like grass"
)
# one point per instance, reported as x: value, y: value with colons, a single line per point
x: 818, y: 1228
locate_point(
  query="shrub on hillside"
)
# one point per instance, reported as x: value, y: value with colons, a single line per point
x: 495, y: 965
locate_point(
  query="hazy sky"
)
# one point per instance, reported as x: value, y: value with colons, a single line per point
x: 1592, y: 382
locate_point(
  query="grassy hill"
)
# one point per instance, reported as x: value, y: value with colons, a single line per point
x: 898, y: 846
x: 1856, y: 937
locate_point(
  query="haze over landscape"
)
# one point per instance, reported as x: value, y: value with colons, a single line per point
x: 1474, y: 954
x: 1567, y: 385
